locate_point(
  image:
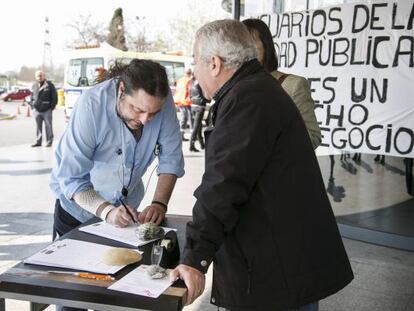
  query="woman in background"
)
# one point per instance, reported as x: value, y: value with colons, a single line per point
x: 296, y: 86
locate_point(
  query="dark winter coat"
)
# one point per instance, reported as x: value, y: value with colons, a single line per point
x: 196, y: 95
x: 44, y: 96
x: 262, y: 213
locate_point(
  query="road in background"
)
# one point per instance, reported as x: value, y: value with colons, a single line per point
x: 22, y: 129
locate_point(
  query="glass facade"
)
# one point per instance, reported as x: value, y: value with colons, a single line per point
x: 369, y: 192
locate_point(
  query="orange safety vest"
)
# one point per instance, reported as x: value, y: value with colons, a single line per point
x: 182, y: 92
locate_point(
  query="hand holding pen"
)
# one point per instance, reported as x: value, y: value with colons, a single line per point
x: 122, y: 215
x: 128, y: 210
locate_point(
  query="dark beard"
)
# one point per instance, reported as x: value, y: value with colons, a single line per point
x: 121, y: 116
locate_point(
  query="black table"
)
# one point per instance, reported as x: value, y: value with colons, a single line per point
x: 32, y: 283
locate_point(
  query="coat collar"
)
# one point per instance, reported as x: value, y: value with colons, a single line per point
x: 44, y: 85
x: 246, y: 69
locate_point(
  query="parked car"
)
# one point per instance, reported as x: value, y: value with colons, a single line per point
x: 16, y: 95
x: 3, y: 90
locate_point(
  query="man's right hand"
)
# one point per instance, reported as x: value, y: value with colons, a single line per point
x: 193, y: 279
x: 119, y: 217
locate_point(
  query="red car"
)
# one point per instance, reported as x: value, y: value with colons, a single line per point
x: 17, y: 94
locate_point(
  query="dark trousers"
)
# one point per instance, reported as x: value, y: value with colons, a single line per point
x: 185, y: 117
x: 197, y: 126
x: 63, y: 222
x: 46, y: 117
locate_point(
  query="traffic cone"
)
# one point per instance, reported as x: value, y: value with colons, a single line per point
x: 18, y: 110
x: 28, y: 111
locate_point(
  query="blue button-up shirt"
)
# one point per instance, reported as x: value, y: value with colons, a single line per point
x: 98, y: 150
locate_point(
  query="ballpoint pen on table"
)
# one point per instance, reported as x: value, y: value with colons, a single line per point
x: 127, y: 210
x: 87, y: 275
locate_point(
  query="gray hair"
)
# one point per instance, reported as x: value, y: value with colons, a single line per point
x: 228, y: 39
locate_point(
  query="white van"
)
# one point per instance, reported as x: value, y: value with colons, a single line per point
x: 82, y: 64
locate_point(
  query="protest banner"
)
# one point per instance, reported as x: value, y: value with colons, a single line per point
x: 359, y: 60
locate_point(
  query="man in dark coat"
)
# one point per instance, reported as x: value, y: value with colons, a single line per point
x: 262, y: 214
x: 198, y: 106
x: 44, y: 101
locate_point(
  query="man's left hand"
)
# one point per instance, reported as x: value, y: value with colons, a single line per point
x: 153, y: 213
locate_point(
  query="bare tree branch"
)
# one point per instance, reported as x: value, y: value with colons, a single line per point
x: 194, y: 15
x: 87, y: 32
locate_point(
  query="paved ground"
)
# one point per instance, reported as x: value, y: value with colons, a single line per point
x: 384, y: 277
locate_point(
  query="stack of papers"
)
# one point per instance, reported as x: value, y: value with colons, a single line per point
x: 125, y: 235
x: 76, y: 255
x: 138, y: 282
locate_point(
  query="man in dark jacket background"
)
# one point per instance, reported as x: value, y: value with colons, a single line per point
x: 198, y: 106
x: 262, y: 214
x: 44, y: 101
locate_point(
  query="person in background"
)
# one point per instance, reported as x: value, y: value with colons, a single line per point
x: 100, y: 74
x: 44, y: 101
x: 380, y: 158
x: 262, y: 214
x: 183, y: 101
x: 296, y: 86
x: 198, y: 106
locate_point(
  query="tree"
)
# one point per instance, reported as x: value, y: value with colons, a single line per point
x: 116, y: 36
x: 194, y: 15
x: 227, y: 6
x: 27, y: 73
x: 87, y: 32
x: 136, y: 35
x: 58, y: 74
x: 160, y: 44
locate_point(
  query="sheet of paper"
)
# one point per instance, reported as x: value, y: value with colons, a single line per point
x: 138, y: 282
x: 125, y: 235
x: 76, y: 255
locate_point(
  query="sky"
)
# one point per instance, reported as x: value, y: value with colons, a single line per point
x: 22, y: 24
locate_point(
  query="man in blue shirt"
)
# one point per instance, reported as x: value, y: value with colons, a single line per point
x: 116, y: 130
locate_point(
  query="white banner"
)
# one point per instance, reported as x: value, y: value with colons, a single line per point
x: 359, y: 59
